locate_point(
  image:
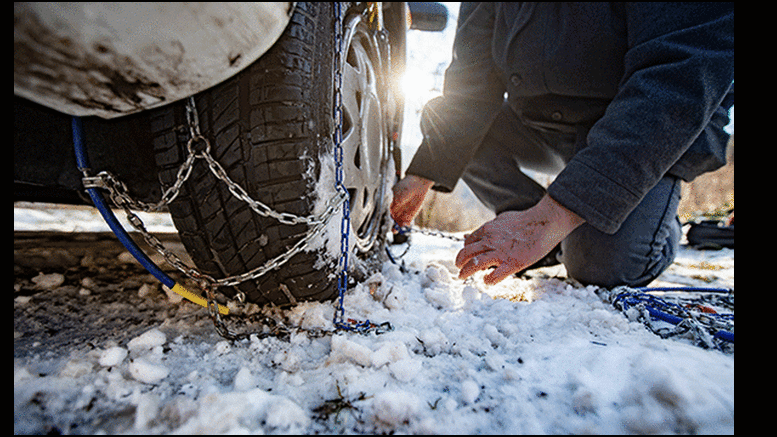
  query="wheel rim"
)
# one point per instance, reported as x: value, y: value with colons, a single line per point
x: 364, y: 140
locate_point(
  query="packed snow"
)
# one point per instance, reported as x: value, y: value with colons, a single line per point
x: 535, y: 354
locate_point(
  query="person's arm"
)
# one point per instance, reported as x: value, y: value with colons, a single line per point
x: 455, y: 123
x: 678, y: 69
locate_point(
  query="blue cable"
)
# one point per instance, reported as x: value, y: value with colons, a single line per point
x: 82, y: 162
x: 669, y: 318
x: 99, y: 201
x: 725, y: 335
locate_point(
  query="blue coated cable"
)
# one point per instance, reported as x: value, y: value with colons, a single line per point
x: 669, y: 318
x: 99, y: 201
x: 82, y: 161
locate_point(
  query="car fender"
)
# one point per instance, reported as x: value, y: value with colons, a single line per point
x: 113, y: 59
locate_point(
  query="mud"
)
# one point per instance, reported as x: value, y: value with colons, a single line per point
x: 105, y: 293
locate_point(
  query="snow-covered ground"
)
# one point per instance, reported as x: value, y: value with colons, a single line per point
x: 530, y: 355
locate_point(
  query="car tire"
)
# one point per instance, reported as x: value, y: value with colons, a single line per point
x: 271, y: 128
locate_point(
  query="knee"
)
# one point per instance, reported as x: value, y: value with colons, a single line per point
x: 643, y: 247
x: 594, y: 258
x: 607, y: 270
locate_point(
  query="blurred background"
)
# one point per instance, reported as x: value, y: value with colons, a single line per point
x: 429, y: 54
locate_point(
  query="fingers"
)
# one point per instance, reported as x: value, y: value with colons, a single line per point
x: 473, y: 237
x: 402, y: 216
x: 478, y: 255
x: 486, y: 260
x: 399, y: 211
x: 475, y: 257
x: 501, y: 273
x: 470, y: 250
x: 476, y: 264
x: 515, y: 240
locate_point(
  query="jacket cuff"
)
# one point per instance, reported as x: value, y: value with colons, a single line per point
x: 603, y: 203
x: 444, y: 175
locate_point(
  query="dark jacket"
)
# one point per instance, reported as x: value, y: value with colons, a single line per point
x: 646, y: 88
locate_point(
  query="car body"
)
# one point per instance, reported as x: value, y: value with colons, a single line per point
x: 114, y: 59
x: 111, y: 60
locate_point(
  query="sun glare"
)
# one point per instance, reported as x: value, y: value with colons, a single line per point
x: 419, y: 86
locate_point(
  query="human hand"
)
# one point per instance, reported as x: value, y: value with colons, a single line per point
x: 515, y: 240
x: 409, y: 195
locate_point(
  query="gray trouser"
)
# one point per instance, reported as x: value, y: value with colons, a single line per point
x: 643, y: 247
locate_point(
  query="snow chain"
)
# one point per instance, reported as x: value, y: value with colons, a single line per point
x: 703, y: 326
x: 199, y: 147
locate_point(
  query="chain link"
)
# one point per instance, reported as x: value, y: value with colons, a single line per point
x: 342, y: 266
x: 119, y: 194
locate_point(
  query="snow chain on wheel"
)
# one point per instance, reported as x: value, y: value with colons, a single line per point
x: 270, y: 127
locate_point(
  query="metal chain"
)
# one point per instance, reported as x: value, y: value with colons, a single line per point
x: 712, y: 331
x: 120, y: 196
x: 198, y: 147
x: 345, y: 225
x: 427, y: 232
x: 238, y: 191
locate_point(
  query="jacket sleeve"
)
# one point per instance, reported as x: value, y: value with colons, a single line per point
x: 454, y: 124
x: 677, y: 71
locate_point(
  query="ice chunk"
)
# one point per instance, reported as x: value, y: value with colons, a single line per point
x: 405, y: 370
x: 145, y: 371
x: 75, y: 369
x: 389, y: 352
x: 352, y: 351
x: 112, y: 356
x: 146, y: 410
x: 284, y: 413
x: 396, y: 407
x: 146, y: 341
x: 244, y: 380
x: 50, y: 281
x: 469, y: 391
x: 436, y: 273
x: 434, y: 341
x: 493, y: 335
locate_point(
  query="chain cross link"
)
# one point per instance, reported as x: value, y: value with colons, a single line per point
x: 120, y: 196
